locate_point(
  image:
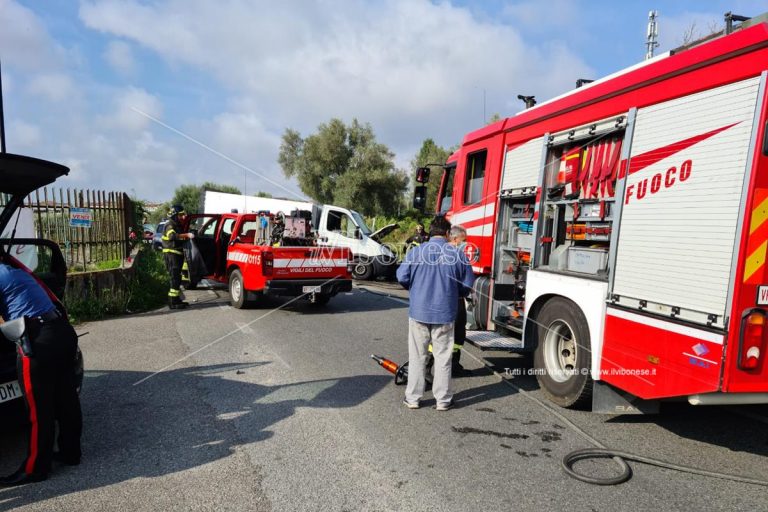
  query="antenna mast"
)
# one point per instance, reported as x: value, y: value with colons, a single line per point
x: 652, y: 38
x: 2, y: 116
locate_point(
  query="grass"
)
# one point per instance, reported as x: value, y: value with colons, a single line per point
x: 147, y: 289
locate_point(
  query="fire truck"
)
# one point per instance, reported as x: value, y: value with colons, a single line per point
x: 619, y: 231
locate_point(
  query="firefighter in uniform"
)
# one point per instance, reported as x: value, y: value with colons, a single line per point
x: 417, y: 238
x: 173, y: 254
x: 46, y: 368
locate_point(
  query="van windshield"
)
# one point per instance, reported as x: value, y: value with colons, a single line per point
x: 361, y: 223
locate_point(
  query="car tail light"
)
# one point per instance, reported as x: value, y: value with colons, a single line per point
x: 267, y: 263
x: 752, y: 339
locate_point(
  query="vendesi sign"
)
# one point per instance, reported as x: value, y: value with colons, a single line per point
x: 80, y: 217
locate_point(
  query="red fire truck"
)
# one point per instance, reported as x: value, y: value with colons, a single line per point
x: 620, y: 230
x: 236, y: 250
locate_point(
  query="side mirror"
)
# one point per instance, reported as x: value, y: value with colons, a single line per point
x: 420, y: 198
x: 422, y: 175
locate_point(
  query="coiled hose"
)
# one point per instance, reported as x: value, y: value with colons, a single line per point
x: 621, y: 459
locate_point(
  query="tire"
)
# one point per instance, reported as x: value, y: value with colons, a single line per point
x: 237, y: 292
x: 79, y: 370
x: 321, y: 299
x: 362, y: 271
x: 563, y: 355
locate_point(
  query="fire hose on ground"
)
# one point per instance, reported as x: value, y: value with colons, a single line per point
x: 619, y: 457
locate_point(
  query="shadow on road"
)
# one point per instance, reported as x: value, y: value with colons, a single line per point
x: 176, y: 421
x: 712, y: 425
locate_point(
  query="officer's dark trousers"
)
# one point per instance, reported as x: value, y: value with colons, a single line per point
x: 174, y: 262
x: 49, y: 386
x: 459, y: 330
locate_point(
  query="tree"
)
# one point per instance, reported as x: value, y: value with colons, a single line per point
x: 431, y: 153
x: 344, y: 165
x: 494, y: 118
x: 191, y: 196
x: 261, y: 193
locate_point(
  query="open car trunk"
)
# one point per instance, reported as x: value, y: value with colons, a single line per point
x: 21, y: 175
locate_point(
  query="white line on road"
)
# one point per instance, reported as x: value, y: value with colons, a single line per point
x: 245, y: 328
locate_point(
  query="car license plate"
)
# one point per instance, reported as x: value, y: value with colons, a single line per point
x: 9, y: 391
x: 311, y: 289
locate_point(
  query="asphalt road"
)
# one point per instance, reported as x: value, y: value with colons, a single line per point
x: 215, y: 408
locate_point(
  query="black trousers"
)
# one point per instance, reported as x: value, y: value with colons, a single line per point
x: 459, y: 330
x: 173, y: 263
x: 49, y: 386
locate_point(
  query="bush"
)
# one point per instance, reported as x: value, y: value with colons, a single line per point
x: 147, y: 289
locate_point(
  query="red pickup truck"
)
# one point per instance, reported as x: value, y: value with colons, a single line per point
x: 234, y: 253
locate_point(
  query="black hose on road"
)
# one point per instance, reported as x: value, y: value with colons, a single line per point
x: 621, y: 459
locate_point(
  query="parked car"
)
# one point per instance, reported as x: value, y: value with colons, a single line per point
x: 148, y: 234
x: 19, y: 176
x: 157, y: 242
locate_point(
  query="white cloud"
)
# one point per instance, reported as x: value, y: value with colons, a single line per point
x: 23, y: 135
x: 130, y: 105
x: 119, y: 55
x: 56, y: 87
x: 24, y: 41
x: 300, y: 64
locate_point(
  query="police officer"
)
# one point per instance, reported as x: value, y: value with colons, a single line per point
x: 173, y: 253
x: 46, y: 375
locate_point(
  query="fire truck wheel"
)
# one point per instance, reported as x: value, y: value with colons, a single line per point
x: 563, y: 354
x: 362, y: 270
x: 237, y: 293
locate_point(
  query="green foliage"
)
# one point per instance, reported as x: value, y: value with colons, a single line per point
x: 147, y: 289
x: 345, y: 166
x: 431, y: 153
x: 108, y: 264
x: 495, y: 117
x: 261, y: 193
x: 191, y: 196
x: 157, y: 216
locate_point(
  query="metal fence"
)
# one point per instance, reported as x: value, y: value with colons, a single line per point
x: 109, y: 215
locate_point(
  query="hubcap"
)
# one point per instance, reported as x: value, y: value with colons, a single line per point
x: 236, y: 290
x: 360, y: 269
x: 560, y: 351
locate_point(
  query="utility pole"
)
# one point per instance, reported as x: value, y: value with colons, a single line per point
x: 652, y: 37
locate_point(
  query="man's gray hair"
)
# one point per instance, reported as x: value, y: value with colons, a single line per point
x: 457, y: 231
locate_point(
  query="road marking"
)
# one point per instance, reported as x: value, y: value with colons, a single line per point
x: 245, y: 328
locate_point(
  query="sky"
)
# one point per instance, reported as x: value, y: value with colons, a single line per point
x: 142, y: 96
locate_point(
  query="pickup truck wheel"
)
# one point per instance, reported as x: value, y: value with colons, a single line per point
x: 362, y: 270
x: 237, y: 293
x: 563, y: 354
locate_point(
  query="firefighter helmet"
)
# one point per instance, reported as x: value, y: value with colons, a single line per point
x: 175, y: 210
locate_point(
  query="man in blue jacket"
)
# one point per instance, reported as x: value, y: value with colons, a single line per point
x: 437, y: 274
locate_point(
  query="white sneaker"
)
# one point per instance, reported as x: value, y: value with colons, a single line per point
x: 410, y: 405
